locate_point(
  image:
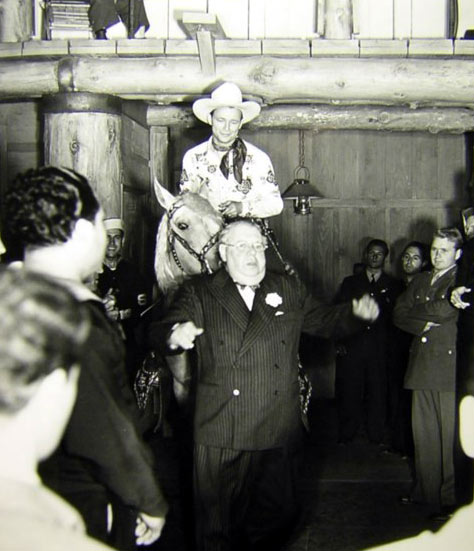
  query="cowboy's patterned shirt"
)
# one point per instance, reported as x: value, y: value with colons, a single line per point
x: 258, y: 192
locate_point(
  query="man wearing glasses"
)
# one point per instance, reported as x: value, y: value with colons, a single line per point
x: 245, y: 324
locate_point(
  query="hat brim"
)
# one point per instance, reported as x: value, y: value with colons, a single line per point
x: 202, y: 108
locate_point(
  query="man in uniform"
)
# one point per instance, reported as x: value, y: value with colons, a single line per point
x: 424, y: 311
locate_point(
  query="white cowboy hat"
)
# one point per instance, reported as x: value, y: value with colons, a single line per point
x: 225, y: 95
x: 114, y: 224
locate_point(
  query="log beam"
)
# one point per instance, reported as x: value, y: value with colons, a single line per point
x: 455, y: 120
x: 410, y: 83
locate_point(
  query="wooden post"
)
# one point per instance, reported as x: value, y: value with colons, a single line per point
x: 82, y: 131
x: 16, y: 20
x: 338, y: 19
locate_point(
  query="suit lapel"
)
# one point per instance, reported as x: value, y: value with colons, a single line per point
x: 226, y: 293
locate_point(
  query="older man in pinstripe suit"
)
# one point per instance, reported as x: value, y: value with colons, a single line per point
x: 245, y: 325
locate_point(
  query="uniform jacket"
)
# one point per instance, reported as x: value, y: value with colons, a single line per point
x: 247, y: 381
x: 432, y: 364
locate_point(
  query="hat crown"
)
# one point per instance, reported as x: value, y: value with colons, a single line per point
x: 227, y: 93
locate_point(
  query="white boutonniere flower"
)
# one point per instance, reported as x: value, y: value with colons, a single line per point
x: 273, y: 299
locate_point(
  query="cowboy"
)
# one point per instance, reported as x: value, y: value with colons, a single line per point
x: 236, y: 177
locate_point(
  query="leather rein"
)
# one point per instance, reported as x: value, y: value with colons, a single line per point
x: 200, y: 257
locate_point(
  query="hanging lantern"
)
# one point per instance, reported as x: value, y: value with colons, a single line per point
x: 301, y: 191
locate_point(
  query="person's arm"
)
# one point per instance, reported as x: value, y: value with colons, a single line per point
x: 403, y: 316
x: 334, y: 321
x: 264, y: 198
x: 180, y: 325
x: 102, y: 433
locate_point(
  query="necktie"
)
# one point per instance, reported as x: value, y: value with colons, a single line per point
x: 372, y: 280
x: 239, y: 152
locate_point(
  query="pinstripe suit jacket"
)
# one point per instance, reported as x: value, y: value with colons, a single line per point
x: 247, y: 382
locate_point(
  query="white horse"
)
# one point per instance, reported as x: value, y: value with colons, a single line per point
x: 186, y: 244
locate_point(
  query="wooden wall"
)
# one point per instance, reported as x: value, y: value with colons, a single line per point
x: 19, y: 139
x: 393, y: 186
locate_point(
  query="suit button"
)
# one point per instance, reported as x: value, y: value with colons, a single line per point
x: 450, y: 352
x: 236, y: 392
x: 427, y: 299
x: 424, y: 339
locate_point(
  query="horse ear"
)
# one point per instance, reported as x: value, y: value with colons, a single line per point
x: 165, y: 198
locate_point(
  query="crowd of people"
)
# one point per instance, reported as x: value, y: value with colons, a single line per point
x: 73, y: 340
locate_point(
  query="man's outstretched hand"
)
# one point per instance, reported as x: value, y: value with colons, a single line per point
x: 365, y: 308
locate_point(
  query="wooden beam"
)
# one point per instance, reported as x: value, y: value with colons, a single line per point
x: 295, y: 80
x: 455, y: 120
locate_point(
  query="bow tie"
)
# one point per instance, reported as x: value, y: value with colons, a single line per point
x: 243, y: 287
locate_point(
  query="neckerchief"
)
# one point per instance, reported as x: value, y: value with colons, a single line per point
x: 239, y: 152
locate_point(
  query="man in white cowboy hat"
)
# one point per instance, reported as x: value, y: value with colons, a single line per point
x: 236, y: 177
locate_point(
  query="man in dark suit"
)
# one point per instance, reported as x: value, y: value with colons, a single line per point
x: 245, y: 324
x: 361, y: 371
x: 56, y: 218
x: 424, y: 311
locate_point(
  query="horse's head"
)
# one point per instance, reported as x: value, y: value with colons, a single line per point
x: 187, y: 238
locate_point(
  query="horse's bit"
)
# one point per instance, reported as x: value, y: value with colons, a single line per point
x: 200, y: 257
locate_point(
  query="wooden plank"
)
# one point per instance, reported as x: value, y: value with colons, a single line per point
x: 175, y: 13
x: 426, y: 47
x: 338, y: 19
x: 452, y: 177
x: 133, y: 47
x: 402, y: 18
x: 157, y: 12
x: 331, y: 48
x: 465, y: 16
x: 375, y: 19
x: 181, y: 47
x: 286, y: 47
x: 434, y: 26
x: 383, y: 48
x: 425, y: 167
x: 398, y: 167
x: 238, y: 47
x: 233, y: 16
x: 45, y: 47
x: 292, y: 19
x: 257, y: 19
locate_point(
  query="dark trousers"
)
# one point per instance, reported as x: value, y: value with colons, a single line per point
x: 433, y: 419
x: 244, y: 499
x: 361, y: 387
x: 105, y: 13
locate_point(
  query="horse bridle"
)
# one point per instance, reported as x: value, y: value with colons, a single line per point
x: 200, y: 257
